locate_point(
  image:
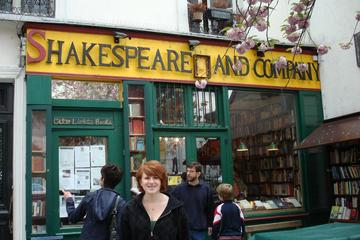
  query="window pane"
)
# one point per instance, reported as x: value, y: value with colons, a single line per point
x: 204, y: 107
x: 170, y: 104
x: 208, y: 155
x: 173, y: 157
x: 84, y: 90
x: 266, y: 168
x: 80, y: 162
x: 38, y: 172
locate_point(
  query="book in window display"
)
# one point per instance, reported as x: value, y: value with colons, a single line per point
x: 38, y: 164
x: 38, y: 185
x: 137, y: 126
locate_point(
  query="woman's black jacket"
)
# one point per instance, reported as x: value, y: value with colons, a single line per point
x: 171, y: 225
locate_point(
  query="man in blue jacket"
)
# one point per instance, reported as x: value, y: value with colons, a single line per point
x: 198, y: 202
x: 97, y: 206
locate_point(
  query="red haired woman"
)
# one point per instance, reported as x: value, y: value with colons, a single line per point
x: 154, y: 214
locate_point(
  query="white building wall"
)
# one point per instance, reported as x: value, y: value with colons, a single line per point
x: 11, y: 73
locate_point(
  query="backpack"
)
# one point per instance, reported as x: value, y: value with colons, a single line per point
x: 113, y: 224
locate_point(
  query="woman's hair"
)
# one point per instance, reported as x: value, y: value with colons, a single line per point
x: 153, y: 168
x: 111, y: 175
x: 225, y: 191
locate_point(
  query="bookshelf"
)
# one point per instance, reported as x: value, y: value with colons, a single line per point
x: 267, y: 172
x: 38, y: 173
x: 136, y: 118
x: 344, y: 168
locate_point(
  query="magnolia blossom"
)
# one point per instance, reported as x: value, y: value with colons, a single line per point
x: 296, y: 50
x: 237, y: 66
x: 201, y: 84
x: 302, y: 67
x: 357, y: 17
x: 322, y: 49
x: 261, y: 25
x: 281, y: 63
x: 293, y: 37
x: 235, y: 34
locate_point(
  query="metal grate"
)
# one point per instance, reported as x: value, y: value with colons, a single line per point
x: 170, y: 104
x: 43, y: 8
x: 204, y: 106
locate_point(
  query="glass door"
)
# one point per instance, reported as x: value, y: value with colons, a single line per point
x: 177, y: 149
x: 78, y: 157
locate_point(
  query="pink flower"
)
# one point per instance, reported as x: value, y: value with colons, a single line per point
x: 263, y: 47
x: 290, y: 29
x: 302, y: 67
x: 241, y: 48
x: 345, y: 46
x: 237, y: 66
x: 293, y: 20
x: 249, y: 43
x: 201, y: 84
x: 302, y: 24
x: 235, y: 34
x: 265, y: 1
x: 281, y: 63
x: 298, y: 7
x: 296, y: 50
x: 252, y: 2
x: 293, y: 37
x: 322, y: 49
x: 357, y: 17
x: 261, y: 25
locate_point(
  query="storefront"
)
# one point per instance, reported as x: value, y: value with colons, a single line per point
x: 95, y: 97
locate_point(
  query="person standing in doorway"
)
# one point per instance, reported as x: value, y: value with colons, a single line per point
x: 154, y: 214
x: 198, y: 202
x: 97, y: 206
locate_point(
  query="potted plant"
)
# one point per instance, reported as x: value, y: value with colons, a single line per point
x: 221, y: 4
x: 197, y: 10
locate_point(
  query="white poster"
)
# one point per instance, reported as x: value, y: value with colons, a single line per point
x: 62, y: 207
x: 97, y: 155
x: 82, y: 157
x: 66, y: 168
x: 82, y: 178
x: 95, y: 178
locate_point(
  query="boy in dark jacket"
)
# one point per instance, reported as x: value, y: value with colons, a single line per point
x: 228, y: 217
x: 97, y: 206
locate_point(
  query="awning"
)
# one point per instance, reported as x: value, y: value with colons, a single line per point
x: 342, y: 130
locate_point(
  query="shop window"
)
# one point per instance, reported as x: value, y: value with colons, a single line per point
x: 38, y: 172
x: 85, y: 90
x: 173, y: 157
x: 208, y: 155
x: 204, y: 106
x: 80, y: 162
x: 170, y: 104
x: 266, y: 167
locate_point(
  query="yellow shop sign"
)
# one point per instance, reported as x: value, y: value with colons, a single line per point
x: 95, y: 55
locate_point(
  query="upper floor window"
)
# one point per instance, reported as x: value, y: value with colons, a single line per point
x: 44, y: 8
x: 210, y: 16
